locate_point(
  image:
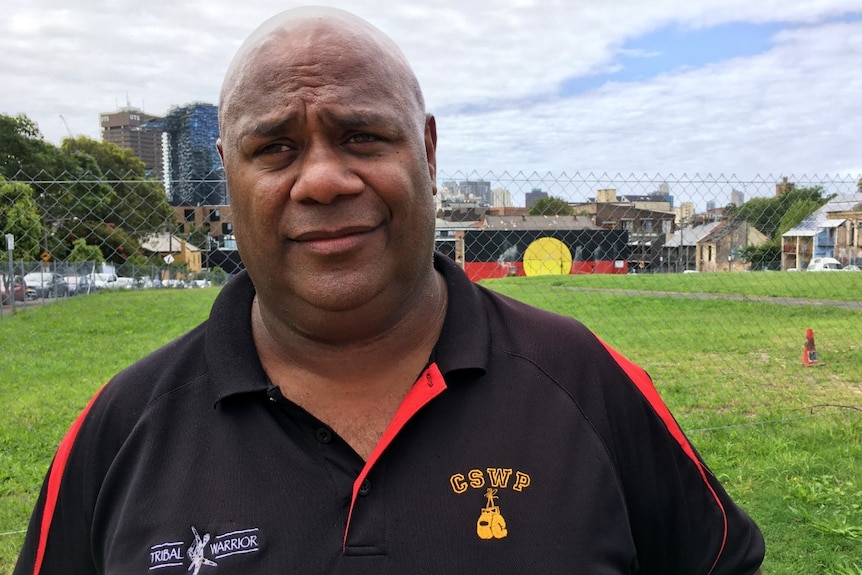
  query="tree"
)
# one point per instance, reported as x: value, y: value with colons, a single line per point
x: 198, y: 237
x: 24, y: 154
x: 797, y: 212
x: 764, y: 257
x: 551, y: 206
x: 82, y: 252
x: 19, y: 216
x: 135, y: 203
x: 766, y: 214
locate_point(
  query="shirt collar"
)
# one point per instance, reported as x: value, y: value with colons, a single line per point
x: 235, y: 367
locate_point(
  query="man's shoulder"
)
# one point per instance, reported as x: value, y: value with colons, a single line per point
x: 188, y: 359
x: 131, y: 391
x: 521, y: 324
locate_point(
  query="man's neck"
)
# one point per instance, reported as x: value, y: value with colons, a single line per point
x: 353, y: 387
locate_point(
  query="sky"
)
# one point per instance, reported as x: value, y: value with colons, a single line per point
x: 750, y: 88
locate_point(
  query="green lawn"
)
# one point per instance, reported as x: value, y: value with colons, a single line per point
x: 786, y: 440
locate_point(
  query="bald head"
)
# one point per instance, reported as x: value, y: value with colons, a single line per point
x: 324, y: 36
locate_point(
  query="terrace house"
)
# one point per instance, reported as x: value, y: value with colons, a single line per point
x: 831, y: 231
x: 719, y: 250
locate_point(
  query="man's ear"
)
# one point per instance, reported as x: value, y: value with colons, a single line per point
x: 220, y: 151
x: 431, y: 149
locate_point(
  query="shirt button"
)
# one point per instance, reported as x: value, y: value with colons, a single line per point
x: 324, y: 435
x: 365, y: 487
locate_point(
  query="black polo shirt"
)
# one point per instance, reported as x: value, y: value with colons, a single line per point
x: 528, y: 446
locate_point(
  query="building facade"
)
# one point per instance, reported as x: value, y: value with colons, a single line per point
x: 721, y: 248
x: 127, y: 128
x: 831, y: 231
x: 534, y: 196
x: 193, y: 172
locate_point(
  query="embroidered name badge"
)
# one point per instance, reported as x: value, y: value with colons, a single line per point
x: 203, y: 550
x: 491, y: 524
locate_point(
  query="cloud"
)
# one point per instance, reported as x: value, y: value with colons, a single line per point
x: 495, y: 73
x: 782, y: 111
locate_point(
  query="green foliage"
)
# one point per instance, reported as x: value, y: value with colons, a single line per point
x: 830, y: 505
x: 218, y: 276
x: 138, y: 260
x: 82, y: 252
x: 135, y: 203
x: 83, y: 189
x: 767, y: 214
x: 23, y: 150
x: 796, y: 212
x: 551, y: 206
x: 198, y: 237
x: 19, y: 216
x: 764, y: 257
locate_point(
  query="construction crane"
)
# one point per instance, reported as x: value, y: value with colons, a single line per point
x: 65, y: 123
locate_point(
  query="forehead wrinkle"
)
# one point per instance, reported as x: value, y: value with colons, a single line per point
x: 318, y: 39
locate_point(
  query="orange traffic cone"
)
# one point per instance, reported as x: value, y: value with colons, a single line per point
x: 809, y: 352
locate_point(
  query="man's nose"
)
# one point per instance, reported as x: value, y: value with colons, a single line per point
x: 325, y: 175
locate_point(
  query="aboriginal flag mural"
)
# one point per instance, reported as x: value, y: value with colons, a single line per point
x: 500, y: 253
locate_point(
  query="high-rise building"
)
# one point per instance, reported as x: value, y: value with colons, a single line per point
x: 737, y: 198
x: 126, y: 128
x: 193, y: 172
x: 534, y: 196
x: 501, y: 198
x: 684, y: 213
x: 478, y: 191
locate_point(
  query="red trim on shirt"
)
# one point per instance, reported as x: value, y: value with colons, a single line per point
x: 645, y: 385
x: 429, y: 385
x: 55, y: 478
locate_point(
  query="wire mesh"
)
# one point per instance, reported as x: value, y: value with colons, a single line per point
x: 615, y: 250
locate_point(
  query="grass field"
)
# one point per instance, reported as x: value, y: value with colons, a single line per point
x: 786, y: 440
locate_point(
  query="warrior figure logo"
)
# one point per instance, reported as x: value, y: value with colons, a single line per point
x: 196, y: 552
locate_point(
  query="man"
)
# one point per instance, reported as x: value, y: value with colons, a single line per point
x: 356, y: 405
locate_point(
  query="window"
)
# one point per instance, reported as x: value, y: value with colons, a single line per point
x: 226, y: 228
x: 646, y: 225
x: 215, y: 215
x: 189, y: 214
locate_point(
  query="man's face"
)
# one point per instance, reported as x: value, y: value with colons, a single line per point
x: 330, y: 167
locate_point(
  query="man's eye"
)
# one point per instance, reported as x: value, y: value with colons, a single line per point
x: 279, y: 148
x: 362, y: 139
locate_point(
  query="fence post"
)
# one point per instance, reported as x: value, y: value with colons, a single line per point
x: 10, y: 245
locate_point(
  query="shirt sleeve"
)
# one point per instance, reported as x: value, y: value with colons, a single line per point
x: 58, y: 536
x: 682, y: 519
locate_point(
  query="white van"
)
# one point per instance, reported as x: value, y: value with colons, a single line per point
x: 824, y: 265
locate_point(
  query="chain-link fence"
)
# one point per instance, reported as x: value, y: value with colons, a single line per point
x: 750, y: 239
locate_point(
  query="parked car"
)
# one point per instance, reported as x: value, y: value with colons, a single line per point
x: 104, y: 281
x: 824, y: 265
x: 851, y: 268
x: 78, y: 284
x: 124, y: 282
x: 45, y: 284
x: 17, y: 289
